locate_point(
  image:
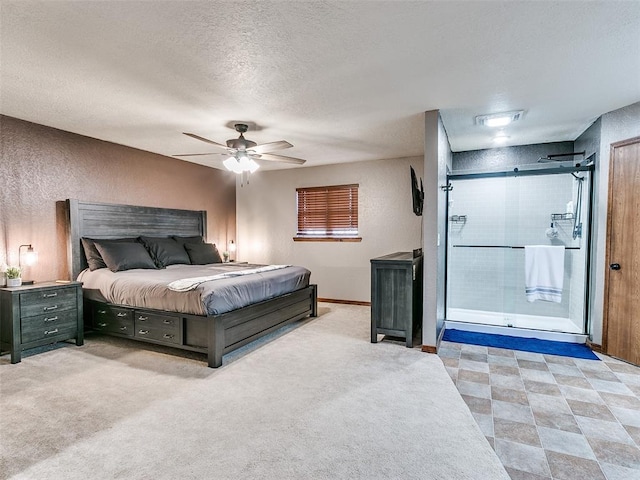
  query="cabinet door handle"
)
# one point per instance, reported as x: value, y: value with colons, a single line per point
x: 102, y: 312
x: 122, y: 314
x: 51, y: 319
x: 49, y: 295
x: 102, y: 324
x: 48, y: 309
x: 143, y: 332
x: 123, y: 328
x: 168, y: 336
x: 50, y: 332
x: 142, y: 319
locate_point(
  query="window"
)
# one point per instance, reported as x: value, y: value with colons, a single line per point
x: 328, y: 214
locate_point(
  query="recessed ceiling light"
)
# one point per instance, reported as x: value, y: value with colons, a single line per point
x: 499, y: 119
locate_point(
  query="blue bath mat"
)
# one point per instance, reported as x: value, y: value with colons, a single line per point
x: 549, y: 347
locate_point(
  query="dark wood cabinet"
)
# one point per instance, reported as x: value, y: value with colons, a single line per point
x: 396, y: 296
x: 36, y: 315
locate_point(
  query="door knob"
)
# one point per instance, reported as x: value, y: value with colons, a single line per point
x: 614, y: 266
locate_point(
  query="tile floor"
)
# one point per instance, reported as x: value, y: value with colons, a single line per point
x: 550, y: 417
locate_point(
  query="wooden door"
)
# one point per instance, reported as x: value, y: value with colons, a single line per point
x: 621, y: 325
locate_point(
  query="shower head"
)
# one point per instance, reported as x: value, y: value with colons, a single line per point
x: 558, y: 157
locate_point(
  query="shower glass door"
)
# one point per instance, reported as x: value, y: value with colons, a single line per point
x: 491, y: 219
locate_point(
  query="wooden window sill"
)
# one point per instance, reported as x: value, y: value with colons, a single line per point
x: 327, y: 239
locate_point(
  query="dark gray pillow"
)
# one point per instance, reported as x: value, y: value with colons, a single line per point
x: 124, y: 256
x: 94, y: 259
x: 183, y: 240
x: 165, y: 251
x: 202, y: 253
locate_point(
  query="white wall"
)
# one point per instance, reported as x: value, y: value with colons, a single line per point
x: 266, y: 222
x: 616, y: 126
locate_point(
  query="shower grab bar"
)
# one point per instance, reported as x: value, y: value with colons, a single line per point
x: 505, y: 246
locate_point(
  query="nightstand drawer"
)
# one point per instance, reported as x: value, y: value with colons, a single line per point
x: 47, y: 301
x: 49, y: 325
x: 113, y: 319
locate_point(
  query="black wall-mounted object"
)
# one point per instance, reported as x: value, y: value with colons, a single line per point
x: 417, y: 194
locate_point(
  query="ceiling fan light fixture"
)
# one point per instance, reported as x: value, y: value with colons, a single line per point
x: 253, y: 165
x: 241, y: 163
x: 232, y: 165
x: 499, y: 119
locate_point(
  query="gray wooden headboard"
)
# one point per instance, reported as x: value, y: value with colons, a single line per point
x: 105, y: 220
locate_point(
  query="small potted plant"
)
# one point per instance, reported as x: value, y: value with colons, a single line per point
x: 13, y: 276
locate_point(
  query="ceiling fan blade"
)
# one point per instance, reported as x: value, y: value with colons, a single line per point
x: 271, y: 146
x: 199, y: 154
x: 206, y: 140
x: 281, y: 158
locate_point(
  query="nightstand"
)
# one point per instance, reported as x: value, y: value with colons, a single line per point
x: 36, y: 315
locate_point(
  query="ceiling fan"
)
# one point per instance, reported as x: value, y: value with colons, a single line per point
x: 242, y: 153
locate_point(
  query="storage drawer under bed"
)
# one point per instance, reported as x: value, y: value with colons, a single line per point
x: 107, y: 318
x: 158, y: 327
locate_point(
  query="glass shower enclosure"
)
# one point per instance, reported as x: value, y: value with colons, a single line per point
x: 491, y: 218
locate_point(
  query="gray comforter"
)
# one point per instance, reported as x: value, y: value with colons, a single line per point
x: 148, y: 288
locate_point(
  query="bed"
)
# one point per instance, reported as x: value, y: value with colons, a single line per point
x: 211, y: 330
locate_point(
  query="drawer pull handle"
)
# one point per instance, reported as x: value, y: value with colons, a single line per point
x: 168, y: 322
x: 122, y: 314
x: 50, y: 332
x: 168, y: 336
x: 48, y: 309
x: 51, y: 319
x: 49, y: 295
x: 123, y: 328
x: 142, y: 319
x: 143, y: 332
x: 102, y: 312
x: 102, y: 324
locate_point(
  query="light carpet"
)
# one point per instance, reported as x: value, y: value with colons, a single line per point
x: 319, y: 402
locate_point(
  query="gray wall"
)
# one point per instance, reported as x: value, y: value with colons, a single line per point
x: 267, y: 222
x: 506, y: 158
x: 616, y: 126
x: 437, y: 158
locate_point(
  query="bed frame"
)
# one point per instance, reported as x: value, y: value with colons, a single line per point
x: 214, y: 335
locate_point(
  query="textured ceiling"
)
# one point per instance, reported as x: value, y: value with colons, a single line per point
x: 342, y: 81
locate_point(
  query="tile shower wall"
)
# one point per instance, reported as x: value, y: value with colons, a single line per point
x: 511, y: 211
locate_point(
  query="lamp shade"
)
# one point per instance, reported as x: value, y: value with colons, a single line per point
x: 28, y: 257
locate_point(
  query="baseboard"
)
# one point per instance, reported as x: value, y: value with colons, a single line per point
x: 345, y: 302
x: 594, y: 346
x: 429, y: 349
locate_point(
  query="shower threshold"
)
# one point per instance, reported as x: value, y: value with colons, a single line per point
x: 516, y: 325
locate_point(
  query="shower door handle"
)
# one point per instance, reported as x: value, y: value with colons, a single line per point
x: 614, y: 266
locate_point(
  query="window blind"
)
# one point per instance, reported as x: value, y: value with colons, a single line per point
x: 328, y: 212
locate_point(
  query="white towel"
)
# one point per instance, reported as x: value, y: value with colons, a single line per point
x: 544, y: 272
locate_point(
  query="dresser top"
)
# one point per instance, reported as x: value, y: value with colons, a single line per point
x: 395, y: 257
x: 40, y: 286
